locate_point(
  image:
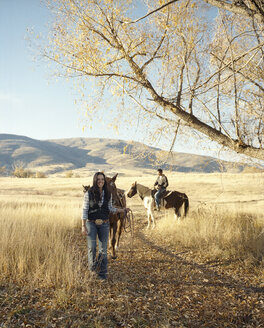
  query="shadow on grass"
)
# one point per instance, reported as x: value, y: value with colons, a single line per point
x: 209, y: 276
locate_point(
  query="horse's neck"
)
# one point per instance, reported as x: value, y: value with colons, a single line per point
x: 143, y: 190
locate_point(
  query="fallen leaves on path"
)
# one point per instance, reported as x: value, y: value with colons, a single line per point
x: 150, y: 285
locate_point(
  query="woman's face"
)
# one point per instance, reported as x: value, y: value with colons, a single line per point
x: 100, y: 181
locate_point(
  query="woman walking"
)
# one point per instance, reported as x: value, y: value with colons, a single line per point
x: 97, y: 206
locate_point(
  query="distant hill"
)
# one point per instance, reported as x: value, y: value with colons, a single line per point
x: 53, y: 156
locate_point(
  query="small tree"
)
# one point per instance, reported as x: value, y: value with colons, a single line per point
x: 20, y: 172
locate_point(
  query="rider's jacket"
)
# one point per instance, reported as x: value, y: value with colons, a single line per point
x: 162, y: 181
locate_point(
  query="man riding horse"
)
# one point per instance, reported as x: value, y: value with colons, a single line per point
x: 162, y: 184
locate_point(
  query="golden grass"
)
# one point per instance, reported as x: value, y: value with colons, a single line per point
x: 38, y: 218
x: 37, y: 244
x: 216, y: 234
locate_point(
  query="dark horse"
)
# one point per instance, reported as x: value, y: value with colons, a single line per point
x: 170, y: 199
x: 116, y: 220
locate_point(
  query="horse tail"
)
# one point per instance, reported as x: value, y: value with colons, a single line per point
x: 186, y: 205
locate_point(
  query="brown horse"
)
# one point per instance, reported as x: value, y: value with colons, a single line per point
x: 116, y: 220
x: 170, y: 199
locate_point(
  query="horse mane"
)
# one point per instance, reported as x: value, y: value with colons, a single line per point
x: 143, y: 190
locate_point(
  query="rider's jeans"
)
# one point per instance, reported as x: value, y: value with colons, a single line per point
x: 158, y: 194
x: 99, y: 263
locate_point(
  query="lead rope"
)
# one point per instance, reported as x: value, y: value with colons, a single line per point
x: 129, y: 228
x: 129, y: 223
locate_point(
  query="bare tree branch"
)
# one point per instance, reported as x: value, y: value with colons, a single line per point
x: 151, y: 12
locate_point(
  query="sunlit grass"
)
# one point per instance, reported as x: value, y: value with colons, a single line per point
x: 39, y: 218
x: 216, y: 234
x: 37, y: 242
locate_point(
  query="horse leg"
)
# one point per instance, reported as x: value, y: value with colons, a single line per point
x: 148, y: 213
x: 153, y: 219
x: 119, y: 231
x: 113, y: 240
x: 177, y: 216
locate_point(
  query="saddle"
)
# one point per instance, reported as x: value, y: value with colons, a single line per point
x: 163, y: 195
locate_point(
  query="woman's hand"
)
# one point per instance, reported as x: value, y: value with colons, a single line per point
x: 84, y: 230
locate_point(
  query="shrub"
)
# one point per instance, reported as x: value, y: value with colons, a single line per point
x: 69, y: 174
x: 22, y: 173
x: 2, y: 170
x: 40, y: 175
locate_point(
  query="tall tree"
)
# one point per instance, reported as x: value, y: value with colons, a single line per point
x: 178, y: 64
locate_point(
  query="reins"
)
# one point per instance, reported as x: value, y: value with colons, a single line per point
x: 128, y: 224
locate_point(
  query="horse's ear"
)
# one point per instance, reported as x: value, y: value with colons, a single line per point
x: 114, y: 177
x: 86, y: 188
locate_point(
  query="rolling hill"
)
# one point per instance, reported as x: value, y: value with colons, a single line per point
x: 90, y: 154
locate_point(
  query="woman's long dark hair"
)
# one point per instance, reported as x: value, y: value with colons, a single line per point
x: 95, y: 190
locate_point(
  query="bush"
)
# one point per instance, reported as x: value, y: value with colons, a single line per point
x: 40, y: 175
x: 22, y: 173
x: 69, y: 174
x: 2, y: 170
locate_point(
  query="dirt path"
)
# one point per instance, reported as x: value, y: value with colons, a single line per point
x: 168, y: 287
x: 149, y: 285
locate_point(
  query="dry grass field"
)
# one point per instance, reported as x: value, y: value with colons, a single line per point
x: 206, y: 271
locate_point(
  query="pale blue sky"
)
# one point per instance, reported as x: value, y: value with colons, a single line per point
x: 32, y: 102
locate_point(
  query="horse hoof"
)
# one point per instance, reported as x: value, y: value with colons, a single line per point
x: 114, y: 257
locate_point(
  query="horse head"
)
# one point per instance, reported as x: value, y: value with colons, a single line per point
x: 112, y: 188
x: 133, y: 190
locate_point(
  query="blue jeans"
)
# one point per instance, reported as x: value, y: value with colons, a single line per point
x: 157, y: 196
x: 97, y: 264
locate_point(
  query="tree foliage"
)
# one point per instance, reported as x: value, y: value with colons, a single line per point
x: 184, y: 64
